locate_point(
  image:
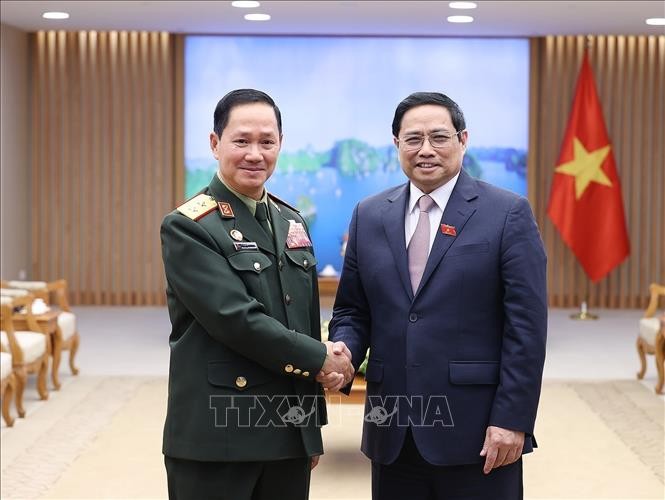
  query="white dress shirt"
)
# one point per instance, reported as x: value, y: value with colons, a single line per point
x: 440, y: 195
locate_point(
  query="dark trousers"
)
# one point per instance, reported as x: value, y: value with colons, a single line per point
x: 411, y: 477
x: 193, y: 480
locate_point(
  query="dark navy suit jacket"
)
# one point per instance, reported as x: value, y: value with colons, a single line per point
x: 465, y: 352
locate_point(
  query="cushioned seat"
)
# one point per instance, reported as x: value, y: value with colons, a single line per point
x: 5, y: 363
x: 649, y: 328
x: 33, y: 345
x: 12, y: 292
x: 67, y: 324
x: 28, y: 285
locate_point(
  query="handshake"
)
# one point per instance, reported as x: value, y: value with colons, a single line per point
x: 337, y: 370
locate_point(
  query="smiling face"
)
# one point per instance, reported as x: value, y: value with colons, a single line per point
x: 248, y: 148
x: 427, y: 167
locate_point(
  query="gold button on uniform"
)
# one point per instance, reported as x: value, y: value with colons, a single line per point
x: 287, y: 299
x: 288, y: 368
x: 305, y: 374
x: 297, y: 371
x: 305, y: 263
x: 257, y: 266
x: 241, y: 382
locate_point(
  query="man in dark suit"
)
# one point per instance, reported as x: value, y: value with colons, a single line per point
x: 244, y: 407
x: 444, y: 281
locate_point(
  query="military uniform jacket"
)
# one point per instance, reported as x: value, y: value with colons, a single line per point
x: 245, y: 340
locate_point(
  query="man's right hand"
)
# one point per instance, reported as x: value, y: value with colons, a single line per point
x: 337, y: 370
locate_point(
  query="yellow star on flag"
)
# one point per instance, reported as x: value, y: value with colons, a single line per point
x: 585, y: 167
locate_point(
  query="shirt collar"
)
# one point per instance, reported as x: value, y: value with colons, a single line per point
x: 440, y: 195
x: 249, y: 202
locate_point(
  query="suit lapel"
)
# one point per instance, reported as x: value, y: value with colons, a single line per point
x: 458, y: 211
x: 242, y: 220
x: 393, y: 226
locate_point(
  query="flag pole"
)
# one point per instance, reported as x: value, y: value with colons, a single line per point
x: 584, y: 314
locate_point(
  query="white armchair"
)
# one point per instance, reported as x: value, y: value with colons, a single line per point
x: 7, y: 386
x: 28, y: 348
x: 66, y: 337
x: 651, y: 337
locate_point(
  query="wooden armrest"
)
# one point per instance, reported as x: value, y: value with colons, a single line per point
x: 25, y: 301
x: 59, y: 287
x: 656, y: 292
x: 7, y: 326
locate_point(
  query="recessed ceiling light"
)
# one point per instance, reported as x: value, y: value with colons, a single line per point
x: 656, y: 21
x: 245, y: 4
x: 55, y: 15
x: 257, y: 17
x: 462, y: 5
x: 460, y: 19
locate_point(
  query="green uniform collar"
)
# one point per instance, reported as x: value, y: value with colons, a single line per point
x: 249, y: 202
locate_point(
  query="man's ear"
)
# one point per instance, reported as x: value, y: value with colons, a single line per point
x: 396, y: 142
x: 214, y: 142
x: 464, y: 139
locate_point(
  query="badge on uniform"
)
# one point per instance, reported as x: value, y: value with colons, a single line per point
x: 245, y: 245
x: 236, y: 235
x: 225, y: 209
x: 297, y: 236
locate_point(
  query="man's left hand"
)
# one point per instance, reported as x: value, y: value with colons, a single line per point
x: 501, y: 447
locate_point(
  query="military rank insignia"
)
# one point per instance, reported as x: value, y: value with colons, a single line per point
x: 197, y: 207
x: 226, y: 210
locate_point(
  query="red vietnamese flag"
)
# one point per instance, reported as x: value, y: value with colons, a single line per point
x: 585, y: 202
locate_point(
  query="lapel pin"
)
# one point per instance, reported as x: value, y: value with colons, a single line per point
x: 449, y: 230
x: 236, y: 235
x: 225, y: 209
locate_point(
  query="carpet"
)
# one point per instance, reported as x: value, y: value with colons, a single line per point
x: 100, y: 438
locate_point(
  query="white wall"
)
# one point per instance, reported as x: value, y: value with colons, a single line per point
x: 14, y: 153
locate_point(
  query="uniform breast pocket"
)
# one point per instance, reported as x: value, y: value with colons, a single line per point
x: 301, y: 260
x: 251, y: 267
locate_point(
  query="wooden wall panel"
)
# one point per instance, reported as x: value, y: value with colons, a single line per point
x: 629, y: 73
x: 104, y: 115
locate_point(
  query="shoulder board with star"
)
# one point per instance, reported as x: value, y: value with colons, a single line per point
x: 276, y: 201
x: 198, y: 206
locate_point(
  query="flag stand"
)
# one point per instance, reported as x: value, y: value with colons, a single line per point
x: 584, y: 313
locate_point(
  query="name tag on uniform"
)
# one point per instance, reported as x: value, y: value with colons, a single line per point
x: 245, y: 245
x: 297, y: 236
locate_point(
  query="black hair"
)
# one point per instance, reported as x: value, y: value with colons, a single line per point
x: 238, y: 98
x: 423, y: 98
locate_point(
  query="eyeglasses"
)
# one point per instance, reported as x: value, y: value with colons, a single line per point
x: 437, y: 141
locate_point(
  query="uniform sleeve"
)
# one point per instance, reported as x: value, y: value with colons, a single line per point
x: 201, y: 278
x: 523, y: 272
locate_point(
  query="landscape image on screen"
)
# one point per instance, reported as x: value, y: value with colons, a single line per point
x: 338, y: 96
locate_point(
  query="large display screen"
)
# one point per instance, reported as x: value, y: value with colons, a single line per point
x: 338, y: 96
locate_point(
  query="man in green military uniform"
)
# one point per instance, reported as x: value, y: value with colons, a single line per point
x: 244, y: 405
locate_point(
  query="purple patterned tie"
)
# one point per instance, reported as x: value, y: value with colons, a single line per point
x: 418, y: 248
